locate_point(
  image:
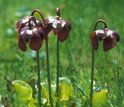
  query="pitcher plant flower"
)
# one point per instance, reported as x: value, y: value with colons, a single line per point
x: 109, y: 38
x: 61, y: 27
x: 34, y: 32
x: 30, y: 30
x: 46, y: 31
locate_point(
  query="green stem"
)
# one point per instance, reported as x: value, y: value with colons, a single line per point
x: 48, y: 73
x: 57, y: 80
x: 39, y: 86
x: 92, y: 75
x: 92, y: 71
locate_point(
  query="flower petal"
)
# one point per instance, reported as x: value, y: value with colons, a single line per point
x: 50, y: 20
x: 26, y: 34
x: 35, y: 43
x: 22, y: 44
x: 24, y: 23
x: 56, y: 32
x: 100, y: 34
x: 21, y: 23
x: 38, y: 31
x: 47, y: 30
x: 94, y: 40
x: 116, y: 35
x: 63, y: 35
x: 108, y: 43
x: 63, y: 31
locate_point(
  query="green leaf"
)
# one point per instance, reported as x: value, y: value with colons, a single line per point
x: 33, y: 103
x: 65, y: 89
x: 44, y: 101
x: 100, y: 99
x: 31, y: 82
x: 23, y: 90
x: 45, y: 92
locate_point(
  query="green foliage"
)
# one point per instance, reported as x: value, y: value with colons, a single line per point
x: 45, y: 93
x: 33, y: 103
x: 100, y: 99
x: 65, y: 89
x: 23, y: 90
x: 75, y: 53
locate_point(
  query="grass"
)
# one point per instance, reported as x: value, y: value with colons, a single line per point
x: 75, y: 52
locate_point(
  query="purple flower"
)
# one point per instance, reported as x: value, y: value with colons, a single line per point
x: 30, y: 30
x: 109, y: 37
x: 60, y: 26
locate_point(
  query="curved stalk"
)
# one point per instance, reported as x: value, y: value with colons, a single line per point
x: 38, y: 11
x: 32, y: 19
x: 93, y: 60
x: 47, y: 55
x: 39, y: 86
x: 100, y: 21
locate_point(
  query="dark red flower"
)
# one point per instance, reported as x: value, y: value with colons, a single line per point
x: 61, y: 27
x: 25, y: 21
x: 109, y: 37
x: 30, y: 30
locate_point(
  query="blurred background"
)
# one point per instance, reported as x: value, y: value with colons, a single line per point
x: 75, y: 52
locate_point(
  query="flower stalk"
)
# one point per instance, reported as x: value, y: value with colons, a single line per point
x: 47, y: 58
x: 48, y: 73
x: 57, y: 79
x: 39, y: 86
x: 93, y: 60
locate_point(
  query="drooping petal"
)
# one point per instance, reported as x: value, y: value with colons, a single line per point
x: 50, y: 20
x: 68, y: 25
x: 25, y: 34
x: 24, y: 22
x: 21, y: 23
x: 35, y: 43
x: 48, y: 25
x: 38, y: 31
x: 108, y: 43
x: 100, y: 34
x: 22, y: 44
x: 94, y: 40
x: 39, y: 23
x: 63, y: 35
x: 63, y: 30
x: 116, y: 35
x: 59, y: 24
x: 56, y: 32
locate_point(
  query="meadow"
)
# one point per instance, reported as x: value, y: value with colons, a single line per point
x: 75, y: 52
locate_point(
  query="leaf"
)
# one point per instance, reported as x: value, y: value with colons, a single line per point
x: 31, y: 82
x: 23, y: 90
x: 45, y: 92
x: 100, y: 99
x: 44, y: 101
x: 65, y: 89
x: 33, y: 103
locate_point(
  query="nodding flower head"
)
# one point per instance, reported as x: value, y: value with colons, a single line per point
x: 30, y: 30
x: 60, y: 26
x: 25, y: 21
x: 109, y: 38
